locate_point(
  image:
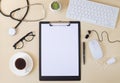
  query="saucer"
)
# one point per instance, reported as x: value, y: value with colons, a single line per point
x: 28, y: 67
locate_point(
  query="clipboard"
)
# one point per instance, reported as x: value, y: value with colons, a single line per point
x: 59, y: 57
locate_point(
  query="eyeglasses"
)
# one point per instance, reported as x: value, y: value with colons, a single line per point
x: 28, y: 37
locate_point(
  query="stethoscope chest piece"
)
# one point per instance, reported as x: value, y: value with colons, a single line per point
x: 12, y: 31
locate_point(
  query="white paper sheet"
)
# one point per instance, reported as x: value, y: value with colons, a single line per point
x: 59, y: 50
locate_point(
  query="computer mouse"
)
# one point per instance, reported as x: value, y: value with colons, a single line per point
x: 95, y: 49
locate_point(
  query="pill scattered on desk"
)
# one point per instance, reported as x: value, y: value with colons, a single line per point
x: 111, y: 60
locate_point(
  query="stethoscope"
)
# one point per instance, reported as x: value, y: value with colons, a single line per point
x: 12, y: 31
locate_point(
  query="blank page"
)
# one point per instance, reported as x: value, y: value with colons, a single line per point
x: 60, y: 50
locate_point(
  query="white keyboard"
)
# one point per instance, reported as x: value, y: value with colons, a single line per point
x: 92, y: 12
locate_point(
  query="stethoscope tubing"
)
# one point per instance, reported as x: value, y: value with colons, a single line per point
x: 20, y: 20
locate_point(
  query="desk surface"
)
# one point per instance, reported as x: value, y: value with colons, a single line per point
x: 92, y: 72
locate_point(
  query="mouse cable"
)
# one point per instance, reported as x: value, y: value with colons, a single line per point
x: 101, y: 39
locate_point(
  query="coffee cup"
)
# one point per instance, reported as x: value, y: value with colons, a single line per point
x: 21, y: 64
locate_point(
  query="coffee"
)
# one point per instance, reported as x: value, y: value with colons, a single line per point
x: 20, y: 63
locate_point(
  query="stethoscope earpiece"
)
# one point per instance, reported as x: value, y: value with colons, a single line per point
x: 12, y: 31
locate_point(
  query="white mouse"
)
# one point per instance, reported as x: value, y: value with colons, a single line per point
x: 95, y: 49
